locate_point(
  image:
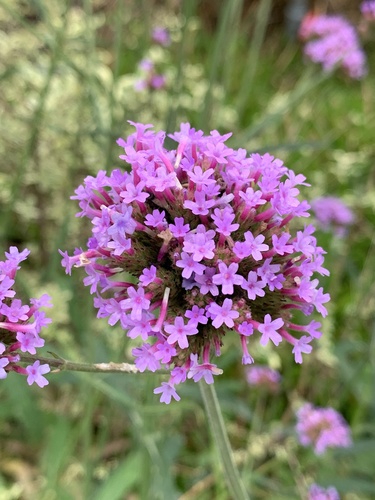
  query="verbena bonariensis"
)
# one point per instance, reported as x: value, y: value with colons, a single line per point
x: 322, y: 428
x: 332, y: 213
x: 161, y: 36
x: 368, y: 9
x: 332, y: 42
x: 317, y: 492
x: 192, y: 244
x: 263, y: 377
x: 20, y: 324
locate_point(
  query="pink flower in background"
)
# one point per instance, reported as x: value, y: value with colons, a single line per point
x: 161, y: 36
x: 317, y: 492
x: 20, y: 324
x: 332, y: 41
x: 158, y: 81
x: 332, y: 214
x: 149, y: 79
x: 203, y: 231
x: 368, y: 10
x: 263, y: 377
x: 322, y: 428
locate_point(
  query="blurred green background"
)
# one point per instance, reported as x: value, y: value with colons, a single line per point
x: 67, y: 73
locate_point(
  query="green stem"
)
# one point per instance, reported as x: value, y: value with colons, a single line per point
x: 216, y: 422
x: 62, y: 364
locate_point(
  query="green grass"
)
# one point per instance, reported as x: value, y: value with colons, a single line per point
x: 66, y: 98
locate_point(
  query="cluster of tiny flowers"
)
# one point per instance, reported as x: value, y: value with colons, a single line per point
x: 322, y: 428
x: 20, y: 324
x: 368, y: 10
x: 202, y: 232
x: 333, y: 42
x: 332, y: 213
x: 263, y: 377
x: 150, y: 79
x: 317, y: 492
x: 161, y: 36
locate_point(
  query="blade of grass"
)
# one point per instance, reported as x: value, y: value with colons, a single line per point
x: 224, y: 39
x: 126, y: 475
x: 219, y: 433
x: 306, y: 83
x: 252, y: 59
x: 188, y: 11
x: 37, y: 121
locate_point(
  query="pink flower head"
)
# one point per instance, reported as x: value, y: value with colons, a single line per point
x: 332, y: 42
x: 20, y: 324
x: 317, y: 492
x: 194, y: 241
x: 263, y: 377
x: 161, y: 36
x: 368, y: 10
x: 332, y: 214
x: 322, y: 428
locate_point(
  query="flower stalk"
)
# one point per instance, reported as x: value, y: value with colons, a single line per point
x: 219, y: 433
x: 61, y: 364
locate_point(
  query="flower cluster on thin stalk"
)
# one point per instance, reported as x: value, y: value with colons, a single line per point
x: 368, y: 10
x: 317, y: 492
x: 322, y: 428
x: 150, y: 77
x: 332, y: 214
x: 332, y: 41
x: 20, y: 324
x: 161, y: 36
x: 193, y: 244
x: 263, y: 377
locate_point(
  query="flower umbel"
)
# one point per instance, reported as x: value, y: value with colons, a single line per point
x: 332, y: 214
x: 333, y: 41
x: 368, y: 9
x: 20, y: 324
x: 204, y: 231
x: 263, y: 377
x: 322, y: 428
x: 317, y: 492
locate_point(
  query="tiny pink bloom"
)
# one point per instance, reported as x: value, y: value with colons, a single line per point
x: 35, y: 374
x: 269, y: 330
x: 167, y: 392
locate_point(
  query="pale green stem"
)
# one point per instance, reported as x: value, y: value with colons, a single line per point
x: 216, y: 422
x: 62, y: 364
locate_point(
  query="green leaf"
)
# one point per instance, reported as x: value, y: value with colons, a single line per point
x: 128, y: 474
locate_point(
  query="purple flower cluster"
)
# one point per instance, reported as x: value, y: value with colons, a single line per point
x: 161, y: 36
x: 150, y: 79
x: 317, y: 492
x: 322, y: 428
x: 333, y: 42
x: 20, y: 324
x: 332, y: 214
x: 193, y: 243
x: 264, y: 377
x: 368, y: 9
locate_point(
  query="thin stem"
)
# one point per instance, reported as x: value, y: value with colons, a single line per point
x: 216, y: 422
x: 62, y: 364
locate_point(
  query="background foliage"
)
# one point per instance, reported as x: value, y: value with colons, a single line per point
x: 67, y: 72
